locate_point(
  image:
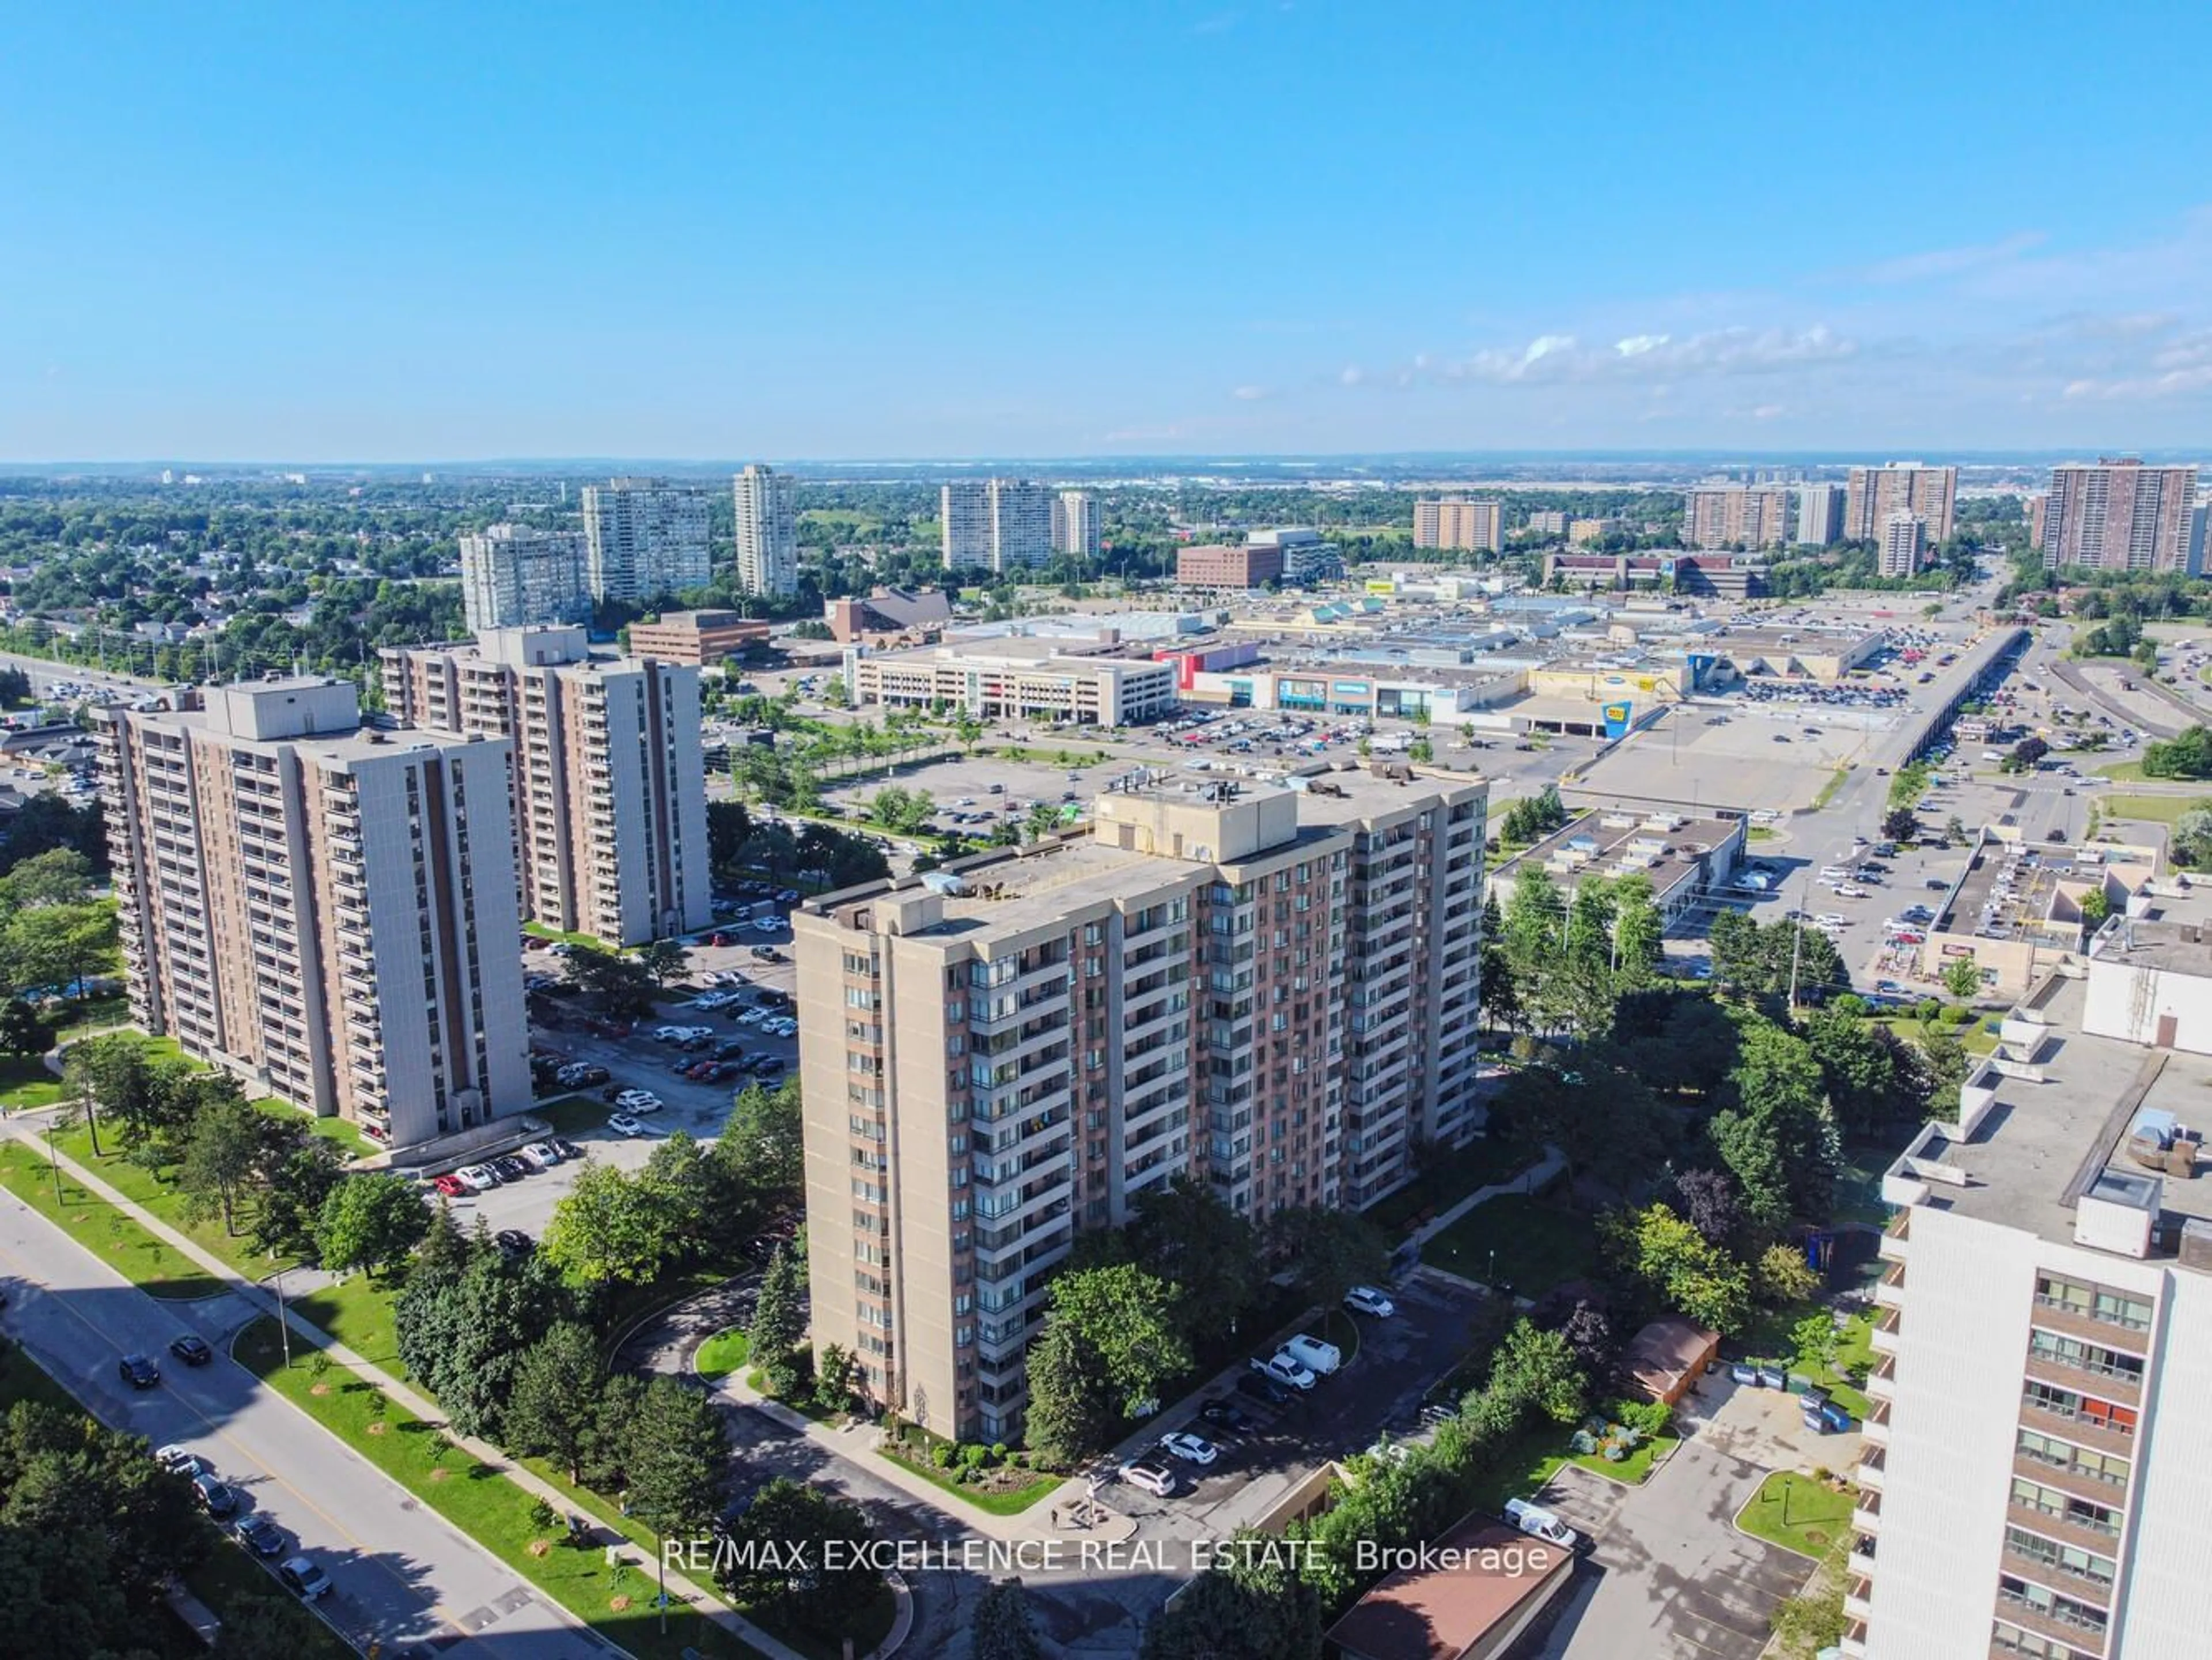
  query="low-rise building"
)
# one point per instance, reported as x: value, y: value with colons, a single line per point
x: 1020, y: 679
x: 2017, y: 914
x: 1686, y: 859
x: 1216, y: 565
x: 887, y: 612
x: 695, y: 637
x: 1468, y: 1596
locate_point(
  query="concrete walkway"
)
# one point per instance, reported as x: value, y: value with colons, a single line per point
x: 258, y: 1297
x: 1528, y: 1182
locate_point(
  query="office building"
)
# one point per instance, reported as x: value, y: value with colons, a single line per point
x: 998, y: 525
x: 1019, y: 679
x: 1820, y: 515
x: 1267, y: 989
x: 608, y: 788
x: 1456, y: 522
x: 1737, y: 515
x: 1872, y: 494
x: 885, y: 611
x: 1075, y: 524
x: 645, y: 538
x: 699, y: 638
x: 1215, y: 565
x: 2117, y: 515
x: 327, y: 909
x: 1307, y: 556
x: 1904, y: 545
x: 767, y: 503
x: 2032, y: 1479
x: 513, y: 577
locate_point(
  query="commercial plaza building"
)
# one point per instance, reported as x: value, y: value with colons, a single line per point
x: 1043, y: 679
x: 2116, y: 515
x: 697, y: 637
x: 2032, y: 1480
x: 1872, y: 494
x: 327, y: 909
x: 1271, y: 989
x: 767, y: 506
x: 1456, y: 522
x: 644, y: 538
x: 609, y: 787
x: 513, y: 577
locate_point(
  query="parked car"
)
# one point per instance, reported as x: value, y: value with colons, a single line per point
x: 192, y: 1351
x: 566, y: 1148
x: 1191, y: 1448
x: 451, y: 1185
x: 138, y: 1371
x: 510, y: 1168
x: 1536, y: 1521
x: 1152, y: 1475
x: 622, y: 1124
x: 258, y: 1535
x: 1261, y: 1387
x: 180, y: 1461
x: 1225, y: 1416
x: 1284, y: 1367
x: 303, y: 1576
x: 540, y: 1155
x: 215, y: 1496
x: 1319, y: 1358
x: 639, y: 1101
x: 767, y: 1066
x: 513, y: 1241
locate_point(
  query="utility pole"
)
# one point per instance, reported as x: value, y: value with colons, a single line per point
x: 1797, y: 939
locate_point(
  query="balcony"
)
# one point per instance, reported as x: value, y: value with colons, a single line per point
x: 1895, y: 1245
x: 1866, y: 1514
x: 2085, y: 1372
x: 1884, y: 1337
x: 1875, y: 1429
x: 1873, y: 1465
x: 1889, y: 1290
x: 2070, y: 1320
x: 2061, y: 1622
x: 1854, y: 1643
x: 1857, y: 1604
x: 2071, y: 1424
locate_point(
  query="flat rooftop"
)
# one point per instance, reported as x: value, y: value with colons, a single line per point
x: 1486, y: 1575
x: 2008, y: 888
x: 2042, y: 1144
x: 1034, y: 887
x: 1668, y: 848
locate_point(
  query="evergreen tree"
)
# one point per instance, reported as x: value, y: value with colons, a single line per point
x: 778, y: 1325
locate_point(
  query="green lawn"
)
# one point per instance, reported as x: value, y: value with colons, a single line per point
x: 1448, y: 1178
x: 996, y: 1504
x: 98, y: 1014
x: 491, y: 1509
x: 1797, y: 1513
x: 2127, y: 772
x: 161, y: 1197
x: 1972, y: 1037
x: 152, y: 1265
x: 1538, y: 1245
x: 545, y: 932
x: 26, y: 1083
x: 1828, y: 790
x: 722, y: 1353
x: 358, y: 1312
x: 1760, y: 833
x: 572, y: 1115
x: 2158, y: 809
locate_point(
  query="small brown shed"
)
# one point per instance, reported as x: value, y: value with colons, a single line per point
x: 1666, y: 1357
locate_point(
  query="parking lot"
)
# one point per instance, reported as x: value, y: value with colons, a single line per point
x: 1378, y: 1388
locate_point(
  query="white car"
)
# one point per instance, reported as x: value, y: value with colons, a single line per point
x: 476, y: 1179
x: 1365, y: 1300
x: 1851, y: 891
x: 1285, y: 1368
x: 639, y: 1101
x: 1191, y: 1448
x: 781, y: 1025
x: 622, y: 1124
x: 540, y: 1155
x: 670, y: 1034
x: 1154, y: 1477
x: 181, y: 1461
x: 752, y: 1016
x: 1540, y: 1523
x: 1831, y: 919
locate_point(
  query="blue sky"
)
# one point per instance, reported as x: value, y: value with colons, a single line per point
x: 723, y: 230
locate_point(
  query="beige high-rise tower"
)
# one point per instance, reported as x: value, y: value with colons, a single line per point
x: 1871, y: 495
x: 1271, y: 990
x: 610, y: 789
x: 327, y: 909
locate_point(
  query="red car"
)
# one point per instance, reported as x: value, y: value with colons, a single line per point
x: 452, y: 1186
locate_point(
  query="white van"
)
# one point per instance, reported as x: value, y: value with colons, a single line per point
x: 1314, y: 1354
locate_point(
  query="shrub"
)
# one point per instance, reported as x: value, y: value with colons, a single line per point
x: 998, y: 1452
x: 941, y: 1455
x: 1649, y: 1416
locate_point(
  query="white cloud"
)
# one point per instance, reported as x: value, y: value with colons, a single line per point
x: 1952, y: 262
x: 1351, y: 375
x: 1559, y: 358
x: 1251, y: 395
x: 1637, y: 344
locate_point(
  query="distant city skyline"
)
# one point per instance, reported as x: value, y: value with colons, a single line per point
x: 267, y: 232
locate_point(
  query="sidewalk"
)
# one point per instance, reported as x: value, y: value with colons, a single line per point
x: 1528, y: 1182
x: 420, y: 1405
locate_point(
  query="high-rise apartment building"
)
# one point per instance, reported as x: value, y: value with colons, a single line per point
x: 327, y: 909
x: 2032, y: 1479
x: 1820, y: 515
x: 1904, y: 545
x: 1456, y: 522
x: 1271, y: 990
x: 2117, y: 515
x: 608, y: 788
x: 1075, y: 524
x: 645, y: 538
x: 513, y: 577
x: 997, y: 524
x: 767, y: 531
x: 1733, y: 515
x: 1549, y: 521
x: 1872, y: 494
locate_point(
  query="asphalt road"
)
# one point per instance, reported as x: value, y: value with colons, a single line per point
x: 402, y: 1577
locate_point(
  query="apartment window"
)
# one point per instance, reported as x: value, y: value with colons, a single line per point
x: 2085, y: 1357
x: 2092, y: 1302
x: 2027, y: 1593
x: 2081, y: 1461
x: 2062, y: 1558
x: 2064, y: 1507
x: 2011, y: 1639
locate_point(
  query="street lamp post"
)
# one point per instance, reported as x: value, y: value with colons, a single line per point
x: 283, y: 1323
